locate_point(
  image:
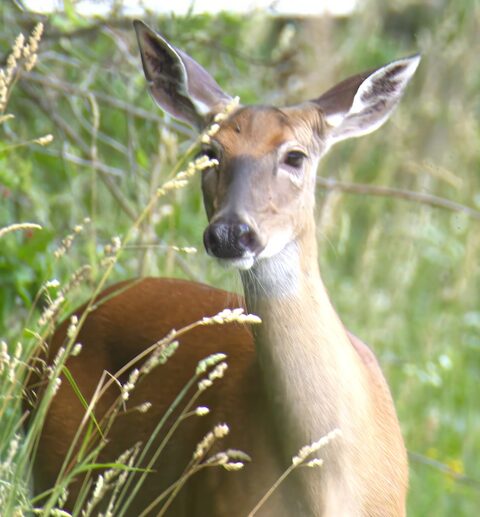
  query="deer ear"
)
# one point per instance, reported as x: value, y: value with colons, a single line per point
x: 362, y: 103
x: 179, y: 85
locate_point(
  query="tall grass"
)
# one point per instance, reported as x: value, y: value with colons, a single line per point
x: 403, y: 275
x: 31, y: 381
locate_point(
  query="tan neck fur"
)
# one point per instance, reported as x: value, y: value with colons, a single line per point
x: 314, y: 379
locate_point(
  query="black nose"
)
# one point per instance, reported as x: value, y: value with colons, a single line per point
x: 229, y: 240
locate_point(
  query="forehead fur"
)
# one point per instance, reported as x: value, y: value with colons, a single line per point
x: 259, y: 130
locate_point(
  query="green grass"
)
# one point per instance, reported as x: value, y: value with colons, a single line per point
x: 404, y: 276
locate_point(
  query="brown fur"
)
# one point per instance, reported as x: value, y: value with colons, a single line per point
x: 114, y: 334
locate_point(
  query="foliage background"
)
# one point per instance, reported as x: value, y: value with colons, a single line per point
x: 404, y: 275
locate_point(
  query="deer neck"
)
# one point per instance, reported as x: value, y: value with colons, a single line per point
x: 302, y: 347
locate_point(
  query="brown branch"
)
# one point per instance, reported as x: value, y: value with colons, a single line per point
x: 77, y: 160
x: 445, y: 469
x: 408, y: 195
x: 125, y: 23
x: 119, y: 23
x: 71, y: 89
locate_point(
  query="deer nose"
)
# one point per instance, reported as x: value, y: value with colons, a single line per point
x: 230, y: 240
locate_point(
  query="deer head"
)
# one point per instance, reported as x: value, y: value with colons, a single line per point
x: 260, y: 197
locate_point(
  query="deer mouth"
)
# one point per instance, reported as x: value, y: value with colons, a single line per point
x: 242, y: 264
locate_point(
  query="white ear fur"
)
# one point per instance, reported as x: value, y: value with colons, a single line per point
x: 373, y: 102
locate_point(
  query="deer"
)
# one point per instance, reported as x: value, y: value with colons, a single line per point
x: 293, y: 378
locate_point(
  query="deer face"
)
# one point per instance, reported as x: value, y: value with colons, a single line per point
x: 262, y: 189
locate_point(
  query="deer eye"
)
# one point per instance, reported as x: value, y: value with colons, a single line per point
x: 294, y: 159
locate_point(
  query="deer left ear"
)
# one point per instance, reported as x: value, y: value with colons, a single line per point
x: 362, y: 103
x: 179, y: 85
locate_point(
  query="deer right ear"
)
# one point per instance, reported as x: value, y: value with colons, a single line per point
x: 179, y: 85
x: 362, y: 103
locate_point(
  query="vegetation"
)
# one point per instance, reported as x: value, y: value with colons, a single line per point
x: 403, y: 273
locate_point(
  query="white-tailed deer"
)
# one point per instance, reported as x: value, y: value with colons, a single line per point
x: 303, y: 374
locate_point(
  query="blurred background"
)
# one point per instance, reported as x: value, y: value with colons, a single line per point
x: 398, y: 210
